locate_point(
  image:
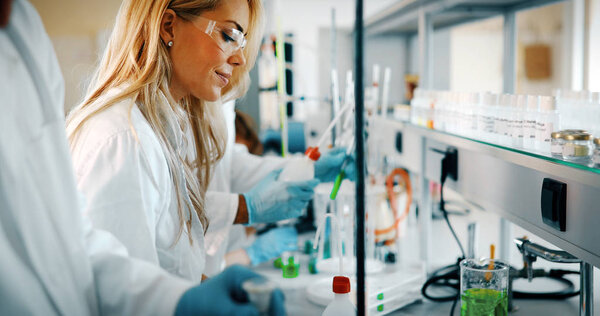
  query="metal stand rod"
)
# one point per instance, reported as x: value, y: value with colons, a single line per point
x: 425, y: 211
x: 586, y: 296
x: 360, y: 160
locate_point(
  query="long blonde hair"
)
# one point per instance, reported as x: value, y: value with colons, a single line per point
x: 136, y: 61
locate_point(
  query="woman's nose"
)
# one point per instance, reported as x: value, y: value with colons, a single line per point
x: 238, y: 58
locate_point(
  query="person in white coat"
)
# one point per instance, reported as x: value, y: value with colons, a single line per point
x: 53, y: 261
x: 238, y: 172
x: 167, y: 67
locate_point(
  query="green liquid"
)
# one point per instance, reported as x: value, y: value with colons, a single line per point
x: 484, y: 302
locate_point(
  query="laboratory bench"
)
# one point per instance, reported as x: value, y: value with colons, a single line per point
x: 446, y: 250
x: 500, y: 186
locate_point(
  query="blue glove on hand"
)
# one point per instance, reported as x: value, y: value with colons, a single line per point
x: 330, y: 164
x: 272, y: 244
x: 223, y: 295
x: 271, y: 200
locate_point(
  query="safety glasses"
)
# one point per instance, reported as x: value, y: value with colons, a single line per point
x: 229, y: 39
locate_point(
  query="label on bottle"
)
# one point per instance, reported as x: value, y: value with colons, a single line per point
x: 519, y: 128
x: 547, y: 135
x: 529, y: 129
x: 541, y: 131
x: 556, y: 149
x: 568, y: 150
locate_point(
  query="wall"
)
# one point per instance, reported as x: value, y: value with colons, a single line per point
x: 441, y: 58
x: 594, y: 45
x: 477, y: 52
x: 78, y: 30
x: 476, y: 56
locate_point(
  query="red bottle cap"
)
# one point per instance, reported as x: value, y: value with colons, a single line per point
x: 341, y: 285
x: 313, y: 153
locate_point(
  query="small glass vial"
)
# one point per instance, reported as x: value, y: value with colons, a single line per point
x: 577, y: 147
x: 556, y: 144
x: 596, y: 156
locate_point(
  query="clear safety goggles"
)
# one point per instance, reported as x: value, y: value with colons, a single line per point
x: 229, y: 39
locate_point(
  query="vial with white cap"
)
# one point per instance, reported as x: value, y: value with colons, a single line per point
x: 548, y: 121
x: 341, y: 304
x: 529, y: 122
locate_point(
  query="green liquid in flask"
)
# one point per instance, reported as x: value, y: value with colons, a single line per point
x: 484, y: 302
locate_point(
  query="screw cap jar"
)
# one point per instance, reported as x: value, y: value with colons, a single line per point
x: 577, y: 146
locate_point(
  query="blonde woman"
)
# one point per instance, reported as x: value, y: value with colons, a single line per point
x: 167, y: 67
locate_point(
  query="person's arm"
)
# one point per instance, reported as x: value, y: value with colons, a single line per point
x: 241, y: 216
x: 248, y: 169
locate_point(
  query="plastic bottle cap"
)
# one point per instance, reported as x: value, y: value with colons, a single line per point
x: 533, y: 102
x: 313, y: 153
x: 341, y: 285
x: 547, y: 103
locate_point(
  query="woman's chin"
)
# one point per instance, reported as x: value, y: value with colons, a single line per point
x: 211, y: 96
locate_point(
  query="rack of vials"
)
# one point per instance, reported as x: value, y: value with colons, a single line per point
x: 563, y: 125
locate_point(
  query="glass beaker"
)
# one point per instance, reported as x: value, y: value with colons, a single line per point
x: 343, y: 208
x: 483, y: 287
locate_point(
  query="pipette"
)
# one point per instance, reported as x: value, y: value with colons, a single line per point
x: 386, y: 91
x: 321, y: 141
x: 340, y: 177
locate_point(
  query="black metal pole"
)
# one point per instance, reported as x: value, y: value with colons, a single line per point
x: 360, y: 160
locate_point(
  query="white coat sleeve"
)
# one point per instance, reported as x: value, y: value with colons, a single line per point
x: 248, y: 169
x: 125, y: 285
x: 123, y: 194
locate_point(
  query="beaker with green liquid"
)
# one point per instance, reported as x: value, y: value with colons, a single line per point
x: 483, y: 287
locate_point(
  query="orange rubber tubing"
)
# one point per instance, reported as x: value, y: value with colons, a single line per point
x: 389, y: 183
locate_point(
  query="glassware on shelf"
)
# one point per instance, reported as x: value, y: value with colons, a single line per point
x: 577, y: 146
x: 596, y: 155
x: 556, y: 145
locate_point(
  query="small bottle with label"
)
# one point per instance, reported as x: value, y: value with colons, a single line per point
x: 301, y: 168
x: 341, y: 304
x: 547, y: 122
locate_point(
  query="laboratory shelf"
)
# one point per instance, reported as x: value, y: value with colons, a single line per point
x: 508, y: 181
x: 402, y: 17
x: 520, y: 151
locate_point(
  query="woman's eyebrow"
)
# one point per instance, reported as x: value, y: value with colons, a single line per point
x: 239, y: 27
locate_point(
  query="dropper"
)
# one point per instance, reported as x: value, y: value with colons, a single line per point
x: 321, y: 141
x: 340, y: 177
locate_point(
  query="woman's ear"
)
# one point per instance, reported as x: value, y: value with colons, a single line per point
x: 167, y: 26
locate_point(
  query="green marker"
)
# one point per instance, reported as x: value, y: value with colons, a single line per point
x: 340, y: 177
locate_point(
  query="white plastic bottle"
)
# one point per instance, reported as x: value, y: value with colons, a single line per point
x: 301, y: 168
x: 518, y: 121
x: 529, y: 124
x: 341, y: 304
x: 548, y: 121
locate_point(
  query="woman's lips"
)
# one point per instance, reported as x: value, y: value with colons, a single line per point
x: 223, y: 78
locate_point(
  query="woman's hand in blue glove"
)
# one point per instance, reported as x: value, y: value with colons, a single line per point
x: 271, y: 200
x: 330, y: 164
x: 272, y: 244
x: 223, y: 295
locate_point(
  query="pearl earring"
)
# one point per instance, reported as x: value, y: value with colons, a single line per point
x: 170, y: 44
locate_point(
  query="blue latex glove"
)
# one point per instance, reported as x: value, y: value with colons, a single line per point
x: 330, y: 164
x: 272, y: 244
x: 271, y: 200
x: 223, y: 295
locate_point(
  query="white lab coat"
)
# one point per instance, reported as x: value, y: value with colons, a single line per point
x: 236, y: 173
x: 52, y: 261
x: 122, y: 170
